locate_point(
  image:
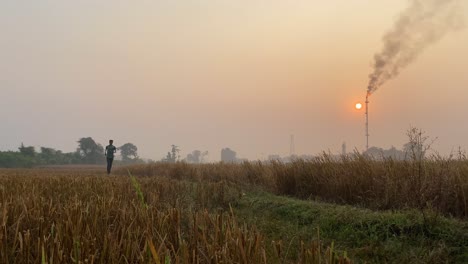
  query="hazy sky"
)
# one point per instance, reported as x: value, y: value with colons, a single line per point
x: 208, y: 74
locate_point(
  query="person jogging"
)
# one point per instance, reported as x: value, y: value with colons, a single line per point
x: 109, y: 153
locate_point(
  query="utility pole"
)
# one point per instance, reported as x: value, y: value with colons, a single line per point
x: 292, y: 147
x: 367, y: 121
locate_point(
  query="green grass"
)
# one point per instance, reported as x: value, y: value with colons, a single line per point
x: 366, y: 235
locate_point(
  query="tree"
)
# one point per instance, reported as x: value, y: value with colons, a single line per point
x: 418, y: 144
x: 129, y: 152
x: 380, y: 153
x: 196, y: 156
x: 228, y: 155
x: 173, y: 155
x: 193, y: 157
x: 49, y: 155
x: 203, y: 155
x: 11, y: 159
x: 394, y: 153
x: 90, y: 151
x: 48, y: 151
x: 72, y: 158
x: 27, y: 151
x: 374, y: 152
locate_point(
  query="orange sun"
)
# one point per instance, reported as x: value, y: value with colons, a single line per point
x: 358, y: 106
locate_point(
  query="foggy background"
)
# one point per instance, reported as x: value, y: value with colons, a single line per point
x: 212, y: 74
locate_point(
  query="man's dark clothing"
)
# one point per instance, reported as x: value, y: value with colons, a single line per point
x: 109, y: 164
x: 110, y: 150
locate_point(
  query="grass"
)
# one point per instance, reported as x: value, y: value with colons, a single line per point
x: 380, y: 211
x: 59, y: 216
x: 435, y: 184
x: 319, y: 211
x: 365, y: 235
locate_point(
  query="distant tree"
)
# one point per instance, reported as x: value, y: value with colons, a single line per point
x: 175, y: 153
x: 90, y: 151
x: 28, y: 157
x: 11, y: 159
x: 274, y: 157
x: 72, y: 158
x: 374, y: 152
x: 129, y: 152
x: 379, y: 153
x: 203, y: 155
x: 50, y: 156
x: 27, y: 151
x: 172, y: 156
x: 48, y: 151
x: 168, y: 157
x: 394, y: 153
x: 196, y: 156
x: 418, y: 144
x: 228, y: 155
x: 193, y: 157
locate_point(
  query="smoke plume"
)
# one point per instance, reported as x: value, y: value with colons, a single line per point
x: 423, y: 23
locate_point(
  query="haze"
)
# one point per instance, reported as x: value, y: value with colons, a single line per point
x: 212, y: 74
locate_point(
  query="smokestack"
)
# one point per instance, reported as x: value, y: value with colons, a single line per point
x: 367, y: 121
x: 423, y: 23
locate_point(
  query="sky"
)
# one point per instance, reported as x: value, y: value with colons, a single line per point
x: 210, y: 74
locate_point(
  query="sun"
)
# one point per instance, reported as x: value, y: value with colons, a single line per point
x: 358, y: 106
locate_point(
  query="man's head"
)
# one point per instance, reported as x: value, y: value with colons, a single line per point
x: 111, y: 142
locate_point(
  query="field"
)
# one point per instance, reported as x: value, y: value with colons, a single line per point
x: 325, y: 210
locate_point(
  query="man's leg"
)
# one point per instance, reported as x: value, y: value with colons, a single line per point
x: 109, y: 165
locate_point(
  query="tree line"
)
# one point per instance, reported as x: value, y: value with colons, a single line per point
x: 88, y: 151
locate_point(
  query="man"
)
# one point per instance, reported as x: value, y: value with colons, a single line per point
x: 109, y: 153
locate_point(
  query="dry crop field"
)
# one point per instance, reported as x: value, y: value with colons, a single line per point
x: 435, y: 184
x: 317, y: 211
x: 83, y: 216
x: 376, y: 210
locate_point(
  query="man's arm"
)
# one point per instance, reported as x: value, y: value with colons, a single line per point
x: 105, y: 152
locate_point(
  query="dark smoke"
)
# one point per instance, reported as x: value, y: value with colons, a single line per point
x: 423, y: 23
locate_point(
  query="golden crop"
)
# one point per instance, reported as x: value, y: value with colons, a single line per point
x: 83, y: 216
